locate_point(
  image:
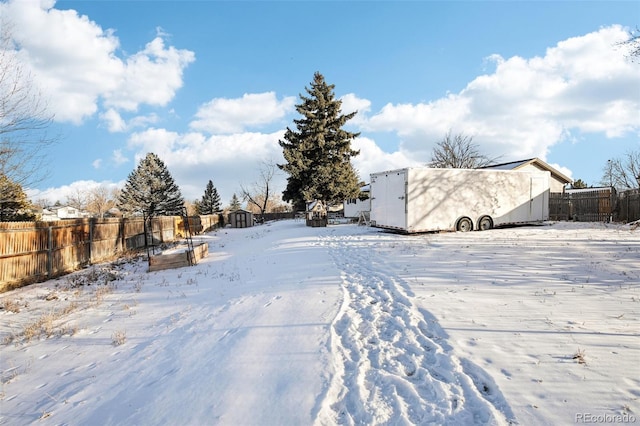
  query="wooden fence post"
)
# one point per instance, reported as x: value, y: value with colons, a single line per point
x: 122, y: 228
x: 92, y: 222
x: 49, y: 251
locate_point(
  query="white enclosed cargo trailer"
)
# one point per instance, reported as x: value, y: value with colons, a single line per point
x: 427, y: 199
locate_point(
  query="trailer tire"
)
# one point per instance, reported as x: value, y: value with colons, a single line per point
x: 464, y: 224
x: 485, y: 223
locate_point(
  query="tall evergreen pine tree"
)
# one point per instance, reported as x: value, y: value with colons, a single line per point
x: 210, y: 203
x: 318, y: 153
x: 150, y: 188
x: 235, y: 203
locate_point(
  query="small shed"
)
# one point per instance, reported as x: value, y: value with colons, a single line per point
x: 557, y: 182
x: 316, y: 214
x: 240, y: 219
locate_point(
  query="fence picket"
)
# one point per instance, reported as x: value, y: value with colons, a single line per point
x: 36, y: 251
x: 598, y: 205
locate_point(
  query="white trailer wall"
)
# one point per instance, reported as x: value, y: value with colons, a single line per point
x: 424, y: 199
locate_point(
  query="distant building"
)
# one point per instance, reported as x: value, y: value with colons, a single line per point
x: 240, y: 219
x: 113, y: 212
x: 316, y: 214
x: 558, y: 180
x: 354, y: 207
x: 51, y: 214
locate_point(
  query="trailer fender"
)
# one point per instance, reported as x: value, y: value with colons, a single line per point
x: 464, y: 224
x: 485, y: 223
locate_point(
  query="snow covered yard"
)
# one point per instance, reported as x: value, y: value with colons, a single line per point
x: 287, y: 324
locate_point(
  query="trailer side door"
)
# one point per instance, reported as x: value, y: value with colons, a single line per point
x: 389, y: 198
x: 539, y: 199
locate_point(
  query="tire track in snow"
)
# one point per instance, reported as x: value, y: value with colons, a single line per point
x: 390, y: 365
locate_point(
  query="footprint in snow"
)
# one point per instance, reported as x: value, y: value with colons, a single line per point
x: 228, y: 333
x: 271, y: 301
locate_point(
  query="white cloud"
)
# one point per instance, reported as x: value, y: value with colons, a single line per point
x: 70, y: 57
x: 231, y: 160
x: 159, y: 141
x: 97, y: 163
x: 62, y: 193
x: 118, y: 158
x: 565, y: 171
x: 236, y: 115
x: 525, y: 106
x: 372, y: 159
x: 116, y: 124
x: 518, y: 109
x: 142, y: 121
x: 194, y: 158
x: 195, y: 148
x: 420, y: 119
x: 113, y: 120
x: 151, y: 76
x: 351, y: 103
x: 74, y: 61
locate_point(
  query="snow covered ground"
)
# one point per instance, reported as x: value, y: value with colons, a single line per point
x: 287, y: 324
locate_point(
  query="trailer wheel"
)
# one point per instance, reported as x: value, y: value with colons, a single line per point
x: 485, y: 223
x: 464, y: 225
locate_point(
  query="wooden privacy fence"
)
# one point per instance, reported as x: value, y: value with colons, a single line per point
x: 598, y: 205
x: 628, y: 208
x: 278, y: 216
x: 36, y: 251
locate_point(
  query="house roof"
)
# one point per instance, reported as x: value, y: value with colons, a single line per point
x: 592, y: 189
x: 536, y: 162
x: 315, y: 205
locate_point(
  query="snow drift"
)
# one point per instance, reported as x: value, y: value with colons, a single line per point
x: 287, y: 324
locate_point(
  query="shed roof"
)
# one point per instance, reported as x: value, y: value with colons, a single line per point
x: 315, y: 205
x: 536, y: 162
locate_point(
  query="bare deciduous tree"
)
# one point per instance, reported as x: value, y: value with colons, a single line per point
x: 623, y: 173
x: 24, y: 118
x: 192, y: 208
x: 43, y: 203
x: 632, y: 45
x: 101, y: 199
x: 261, y: 193
x: 78, y: 199
x: 458, y: 152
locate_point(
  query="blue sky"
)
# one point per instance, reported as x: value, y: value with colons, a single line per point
x: 210, y: 86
